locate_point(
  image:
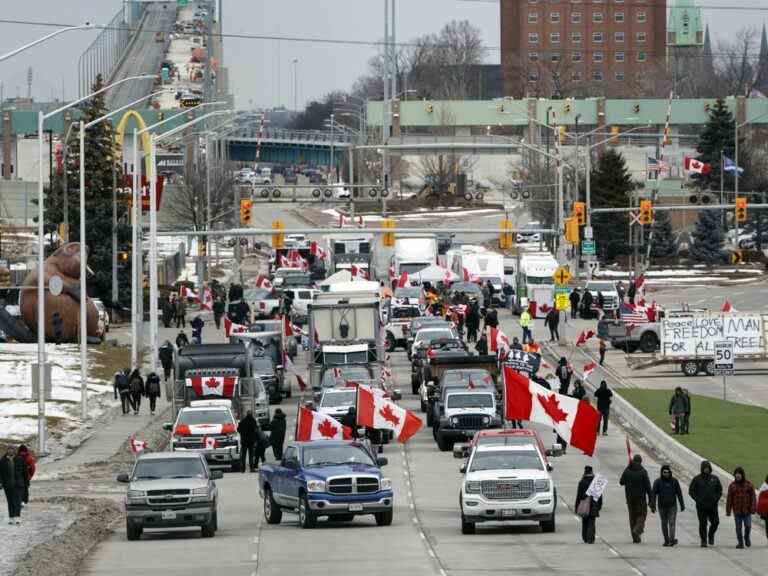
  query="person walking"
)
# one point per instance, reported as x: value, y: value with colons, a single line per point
x: 586, y: 305
x: 12, y: 477
x: 167, y: 309
x: 637, y: 490
x: 247, y: 429
x: 30, y: 466
x: 182, y: 340
x: 579, y: 392
x: 665, y: 495
x: 552, y: 321
x: 218, y: 312
x: 181, y: 313
x: 631, y: 292
x: 472, y: 322
x: 620, y: 290
x: 136, y: 387
x: 482, y: 345
x: 742, y: 503
x: 165, y: 352
x: 525, y: 324
x: 677, y: 405
x: 574, y: 298
x: 706, y: 490
x: 587, y: 507
x: 564, y: 374
x: 262, y: 443
x: 687, y: 413
x: 601, y: 347
x: 197, y: 329
x: 152, y: 390
x: 604, y: 397
x: 121, y: 388
x: 762, y: 504
x: 277, y: 433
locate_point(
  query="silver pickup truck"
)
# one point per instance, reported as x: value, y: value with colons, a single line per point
x: 170, y: 490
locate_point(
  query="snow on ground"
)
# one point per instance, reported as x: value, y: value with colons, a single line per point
x: 424, y: 214
x: 683, y: 272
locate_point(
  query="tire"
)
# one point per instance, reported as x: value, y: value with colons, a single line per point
x: 443, y: 444
x: 209, y: 530
x: 648, y: 342
x: 689, y: 367
x: 307, y: 518
x: 466, y: 526
x: 132, y: 532
x: 384, y: 518
x: 548, y: 526
x: 343, y: 518
x: 272, y: 512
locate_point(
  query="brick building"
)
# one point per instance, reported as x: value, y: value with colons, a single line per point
x: 582, y: 47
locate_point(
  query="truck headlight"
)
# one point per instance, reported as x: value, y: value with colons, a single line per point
x: 316, y: 485
x: 541, y: 485
x: 472, y: 487
x: 385, y: 484
x: 486, y: 420
x: 136, y: 496
x: 455, y: 421
x: 201, y: 494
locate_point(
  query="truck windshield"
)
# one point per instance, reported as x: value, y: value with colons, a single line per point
x: 337, y: 455
x: 339, y: 399
x: 429, y: 335
x: 406, y: 312
x: 335, y: 358
x: 506, y: 460
x: 256, y: 294
x: 412, y: 267
x: 601, y: 287
x: 539, y: 280
x: 479, y: 378
x: 470, y: 401
x: 332, y: 378
x: 152, y: 469
x: 194, y: 417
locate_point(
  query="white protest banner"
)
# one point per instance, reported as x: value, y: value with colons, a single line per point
x: 694, y: 335
x: 597, y: 487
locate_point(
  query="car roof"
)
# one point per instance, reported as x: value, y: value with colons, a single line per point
x: 202, y: 408
x: 508, y: 432
x: 328, y: 443
x: 505, y: 448
x: 167, y: 455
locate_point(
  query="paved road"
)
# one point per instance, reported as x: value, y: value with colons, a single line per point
x: 747, y: 296
x: 144, y: 57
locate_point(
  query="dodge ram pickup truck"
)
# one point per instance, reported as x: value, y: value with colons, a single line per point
x: 330, y: 478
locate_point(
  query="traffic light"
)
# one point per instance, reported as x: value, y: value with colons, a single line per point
x: 572, y: 231
x: 388, y: 239
x: 741, y: 209
x: 124, y: 256
x: 505, y: 235
x: 667, y: 136
x: 580, y: 213
x: 245, y: 211
x: 646, y: 212
x: 429, y: 108
x: 615, y: 130
x: 567, y: 108
x: 561, y: 134
x: 636, y: 108
x: 278, y: 238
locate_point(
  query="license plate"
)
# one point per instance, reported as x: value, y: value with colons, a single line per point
x: 509, y: 513
x: 355, y: 507
x: 469, y: 433
x: 169, y: 515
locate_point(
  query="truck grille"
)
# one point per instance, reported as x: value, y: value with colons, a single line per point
x: 197, y: 442
x: 471, y: 421
x: 353, y: 485
x: 166, y: 498
x: 507, y: 489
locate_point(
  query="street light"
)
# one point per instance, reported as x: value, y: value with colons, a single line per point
x: 295, y: 85
x: 12, y: 53
x: 41, y: 118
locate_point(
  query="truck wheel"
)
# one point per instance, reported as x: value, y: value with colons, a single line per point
x: 690, y: 367
x: 443, y: 444
x: 209, y: 530
x: 466, y: 526
x: 272, y: 512
x: 648, y: 342
x: 384, y: 518
x: 548, y: 526
x: 307, y: 518
x: 133, y: 532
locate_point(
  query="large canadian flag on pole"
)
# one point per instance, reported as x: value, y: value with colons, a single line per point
x: 696, y: 166
x: 375, y: 411
x: 314, y: 426
x: 574, y: 420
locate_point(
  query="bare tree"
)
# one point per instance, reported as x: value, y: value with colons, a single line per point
x: 736, y: 63
x: 185, y: 204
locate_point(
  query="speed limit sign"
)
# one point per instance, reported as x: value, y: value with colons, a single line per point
x: 723, y: 357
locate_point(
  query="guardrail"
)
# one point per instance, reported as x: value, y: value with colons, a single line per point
x: 287, y: 134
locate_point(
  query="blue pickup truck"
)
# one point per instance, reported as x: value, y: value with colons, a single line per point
x: 330, y: 478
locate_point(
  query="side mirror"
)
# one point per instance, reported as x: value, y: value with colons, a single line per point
x: 123, y: 478
x: 309, y: 404
x: 463, y: 468
x: 382, y: 461
x: 397, y: 394
x: 217, y: 474
x: 168, y: 426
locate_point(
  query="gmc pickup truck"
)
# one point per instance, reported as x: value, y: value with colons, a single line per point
x: 330, y: 478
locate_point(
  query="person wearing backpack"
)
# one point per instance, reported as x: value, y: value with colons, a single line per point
x: 152, y: 391
x: 120, y: 386
x: 136, y: 386
x: 564, y: 373
x: 587, y: 507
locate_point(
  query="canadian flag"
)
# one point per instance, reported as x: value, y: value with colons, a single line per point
x: 233, y: 327
x: 375, y: 411
x: 287, y: 326
x: 300, y: 382
x: 189, y: 294
x: 587, y: 370
x: 727, y: 307
x: 574, y: 420
x: 696, y: 166
x: 213, y: 385
x: 314, y: 426
x: 403, y: 280
x: 583, y: 337
x: 347, y: 220
x: 209, y: 442
x: 263, y: 282
x: 358, y: 272
x: 138, y: 445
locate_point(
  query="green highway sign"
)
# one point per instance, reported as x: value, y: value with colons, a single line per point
x: 588, y: 247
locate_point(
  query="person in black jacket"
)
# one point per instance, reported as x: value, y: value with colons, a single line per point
x: 277, y: 433
x: 482, y: 345
x: 136, y: 386
x: 706, y: 490
x: 588, y: 522
x: 13, y: 470
x: 472, y: 322
x: 552, y: 321
x: 604, y: 396
x: 218, y: 312
x: 152, y: 390
x: 578, y: 391
x: 247, y: 428
x: 165, y: 352
x: 197, y: 329
x: 665, y: 495
x: 574, y: 298
x: 121, y: 388
x: 182, y: 340
x: 586, y: 305
x: 637, y: 490
x: 564, y: 374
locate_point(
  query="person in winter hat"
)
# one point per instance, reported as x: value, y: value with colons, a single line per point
x: 604, y: 396
x: 121, y: 388
x: 637, y: 490
x: 677, y: 407
x: 706, y: 490
x: 588, y: 521
x: 762, y: 504
x: 165, y: 352
x: 13, y: 471
x: 136, y: 386
x: 197, y: 329
x: 182, y: 340
x: 665, y: 495
x: 277, y: 433
x: 247, y: 429
x: 564, y: 374
x: 31, y: 466
x: 741, y: 501
x: 152, y: 390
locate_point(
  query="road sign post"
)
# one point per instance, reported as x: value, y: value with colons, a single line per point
x: 723, y: 361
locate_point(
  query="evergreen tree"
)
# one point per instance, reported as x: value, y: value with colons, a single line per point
x: 100, y: 153
x: 716, y: 140
x: 708, y: 237
x: 664, y: 244
x: 611, y: 188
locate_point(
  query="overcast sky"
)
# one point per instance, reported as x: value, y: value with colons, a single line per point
x: 262, y: 70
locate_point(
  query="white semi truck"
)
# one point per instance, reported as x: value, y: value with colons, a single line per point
x: 414, y: 253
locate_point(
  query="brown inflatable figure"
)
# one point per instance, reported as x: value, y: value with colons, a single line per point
x: 64, y: 262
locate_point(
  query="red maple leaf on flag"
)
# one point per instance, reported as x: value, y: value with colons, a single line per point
x: 211, y: 383
x: 389, y: 415
x: 552, y: 407
x: 327, y: 430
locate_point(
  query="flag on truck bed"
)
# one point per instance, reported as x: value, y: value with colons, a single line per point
x: 633, y: 313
